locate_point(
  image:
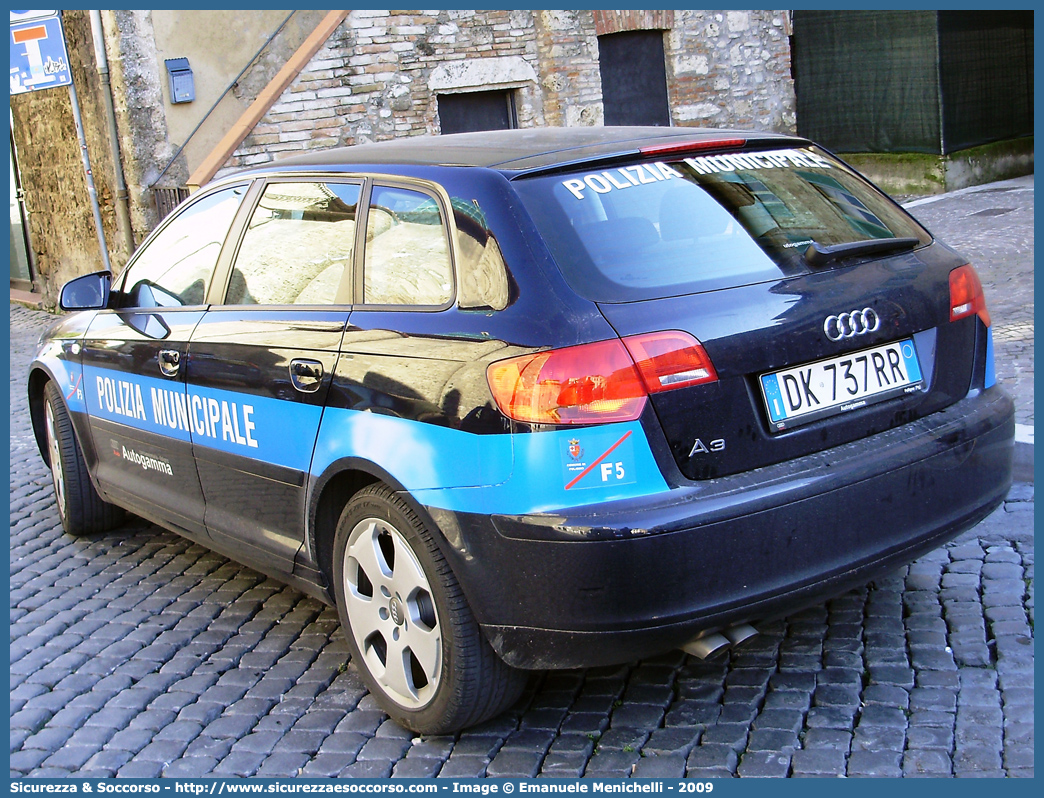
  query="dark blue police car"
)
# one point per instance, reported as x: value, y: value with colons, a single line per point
x: 534, y: 399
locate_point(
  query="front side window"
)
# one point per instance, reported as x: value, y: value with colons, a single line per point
x: 407, y: 250
x: 651, y: 230
x: 175, y: 268
x: 298, y: 247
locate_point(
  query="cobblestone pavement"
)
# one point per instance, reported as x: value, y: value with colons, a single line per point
x: 139, y: 654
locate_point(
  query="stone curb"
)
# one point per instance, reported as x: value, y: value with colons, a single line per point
x: 1023, y: 467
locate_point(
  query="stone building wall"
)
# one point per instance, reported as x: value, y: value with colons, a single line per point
x: 731, y: 69
x: 61, y: 222
x: 569, y: 78
x: 137, y: 93
x: 379, y: 75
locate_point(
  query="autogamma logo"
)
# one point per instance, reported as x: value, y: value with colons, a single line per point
x: 851, y: 324
x: 147, y: 462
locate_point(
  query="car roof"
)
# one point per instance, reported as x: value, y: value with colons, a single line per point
x: 517, y: 150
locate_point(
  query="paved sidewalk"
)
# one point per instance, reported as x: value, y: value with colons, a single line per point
x: 139, y: 654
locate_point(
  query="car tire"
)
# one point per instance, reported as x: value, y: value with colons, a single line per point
x: 411, y: 632
x: 81, y: 509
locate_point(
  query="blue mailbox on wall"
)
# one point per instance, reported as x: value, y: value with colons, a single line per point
x: 182, y: 87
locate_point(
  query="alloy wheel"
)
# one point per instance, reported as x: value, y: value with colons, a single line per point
x: 392, y: 613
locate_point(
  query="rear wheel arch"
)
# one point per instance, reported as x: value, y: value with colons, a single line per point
x: 341, y: 481
x: 335, y: 489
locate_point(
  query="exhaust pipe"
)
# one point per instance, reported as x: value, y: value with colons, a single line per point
x: 708, y: 644
x: 737, y: 634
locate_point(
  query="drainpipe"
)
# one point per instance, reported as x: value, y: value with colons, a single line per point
x: 123, y: 221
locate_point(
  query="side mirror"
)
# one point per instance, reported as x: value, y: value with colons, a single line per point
x: 89, y: 292
x: 147, y: 295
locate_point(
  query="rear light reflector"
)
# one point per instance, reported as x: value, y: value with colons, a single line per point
x: 607, y: 381
x: 669, y: 360
x: 966, y: 295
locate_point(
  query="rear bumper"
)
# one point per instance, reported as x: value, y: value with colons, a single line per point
x: 621, y: 580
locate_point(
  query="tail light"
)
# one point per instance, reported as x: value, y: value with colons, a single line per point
x: 597, y: 383
x: 669, y: 360
x: 576, y: 385
x: 966, y: 296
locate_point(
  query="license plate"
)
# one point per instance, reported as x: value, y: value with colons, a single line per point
x: 814, y: 390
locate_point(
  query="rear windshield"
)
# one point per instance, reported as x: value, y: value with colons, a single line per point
x: 685, y: 225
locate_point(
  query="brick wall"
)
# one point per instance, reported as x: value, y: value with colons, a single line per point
x: 370, y: 81
x: 619, y: 21
x: 379, y: 75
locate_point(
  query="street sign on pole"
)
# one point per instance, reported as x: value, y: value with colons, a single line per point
x: 39, y: 59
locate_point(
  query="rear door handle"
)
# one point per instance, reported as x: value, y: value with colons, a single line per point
x: 306, y: 375
x: 169, y: 362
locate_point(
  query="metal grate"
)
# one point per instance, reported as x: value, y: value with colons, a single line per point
x: 167, y: 199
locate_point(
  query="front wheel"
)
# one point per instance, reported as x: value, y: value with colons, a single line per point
x: 80, y: 507
x: 411, y: 632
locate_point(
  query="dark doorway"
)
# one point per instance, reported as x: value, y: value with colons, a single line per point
x: 21, y: 259
x: 477, y: 110
x: 634, y: 78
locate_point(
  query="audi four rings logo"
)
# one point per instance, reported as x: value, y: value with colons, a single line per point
x: 849, y: 325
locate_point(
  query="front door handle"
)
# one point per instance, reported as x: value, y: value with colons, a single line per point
x: 306, y: 375
x: 169, y: 362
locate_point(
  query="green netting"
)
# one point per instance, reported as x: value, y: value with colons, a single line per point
x: 986, y: 71
x: 867, y: 81
x: 913, y: 81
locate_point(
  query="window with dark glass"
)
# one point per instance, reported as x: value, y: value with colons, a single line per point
x: 176, y: 267
x: 477, y: 110
x: 298, y: 246
x: 634, y: 78
x: 407, y: 250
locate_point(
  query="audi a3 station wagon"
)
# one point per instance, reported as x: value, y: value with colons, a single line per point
x: 534, y: 399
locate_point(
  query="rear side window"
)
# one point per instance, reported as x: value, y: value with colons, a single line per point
x: 651, y: 230
x: 298, y: 246
x: 407, y: 260
x: 481, y: 270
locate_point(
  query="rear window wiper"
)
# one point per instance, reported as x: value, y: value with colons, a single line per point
x: 817, y: 255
